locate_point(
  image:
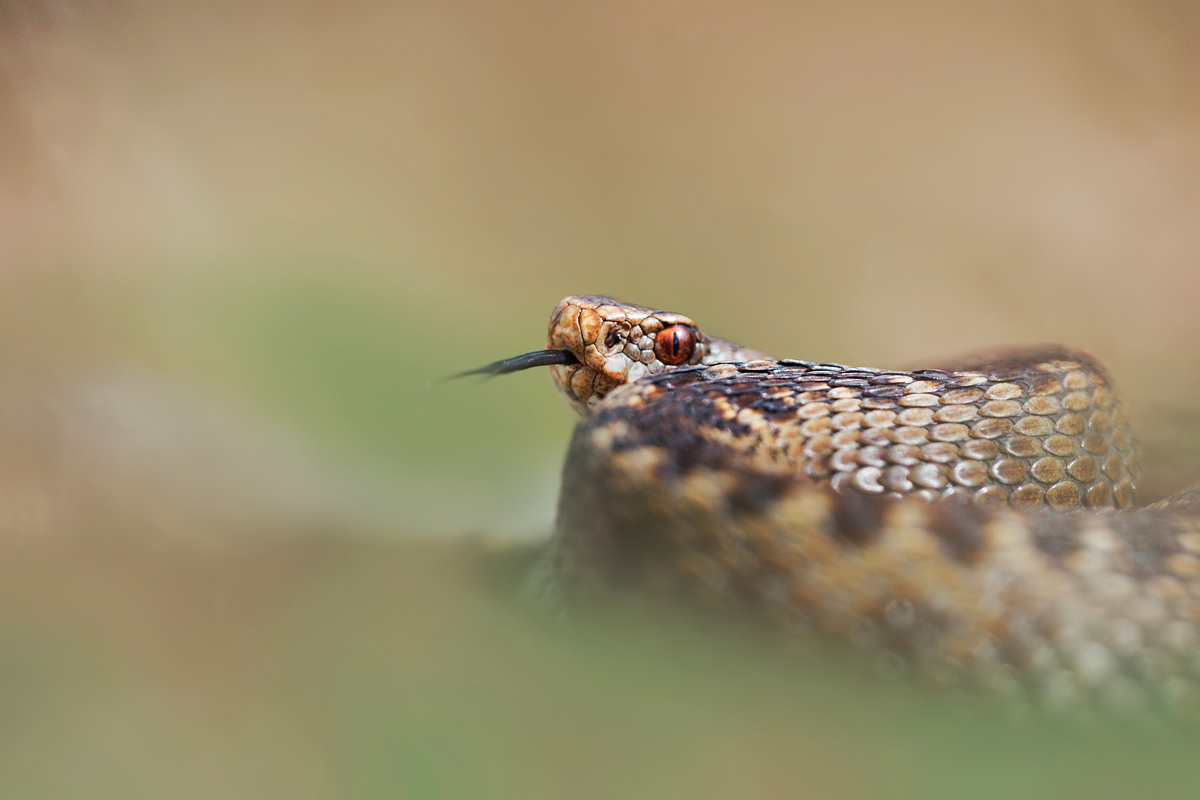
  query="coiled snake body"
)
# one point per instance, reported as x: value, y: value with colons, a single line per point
x: 975, y: 520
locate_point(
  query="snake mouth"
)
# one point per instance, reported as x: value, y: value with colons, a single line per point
x: 538, y: 358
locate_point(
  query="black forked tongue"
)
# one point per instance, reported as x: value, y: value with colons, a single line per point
x: 538, y: 358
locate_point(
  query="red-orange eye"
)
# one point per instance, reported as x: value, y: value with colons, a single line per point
x: 675, y: 344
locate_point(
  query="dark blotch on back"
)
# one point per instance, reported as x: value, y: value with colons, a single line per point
x: 680, y: 376
x: 1014, y: 363
x: 755, y: 493
x: 856, y: 518
x: 673, y: 421
x: 883, y: 391
x: 1150, y: 541
x: 1146, y: 534
x: 959, y: 527
x: 1056, y: 535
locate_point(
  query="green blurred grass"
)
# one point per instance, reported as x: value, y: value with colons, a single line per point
x: 360, y: 364
x: 355, y: 364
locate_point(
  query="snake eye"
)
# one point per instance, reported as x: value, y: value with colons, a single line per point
x: 675, y: 344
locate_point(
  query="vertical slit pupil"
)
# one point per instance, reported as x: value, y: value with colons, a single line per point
x: 674, y: 345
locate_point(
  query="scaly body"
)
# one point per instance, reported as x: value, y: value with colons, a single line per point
x: 976, y: 520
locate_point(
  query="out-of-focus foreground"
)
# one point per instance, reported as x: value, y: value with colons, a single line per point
x: 251, y: 547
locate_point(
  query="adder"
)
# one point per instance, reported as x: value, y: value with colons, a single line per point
x: 977, y: 520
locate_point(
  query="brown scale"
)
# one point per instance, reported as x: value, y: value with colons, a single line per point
x: 1052, y: 437
x: 976, y: 520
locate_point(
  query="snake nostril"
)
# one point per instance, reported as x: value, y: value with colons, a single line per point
x: 613, y: 339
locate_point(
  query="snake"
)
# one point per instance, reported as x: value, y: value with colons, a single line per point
x: 975, y: 522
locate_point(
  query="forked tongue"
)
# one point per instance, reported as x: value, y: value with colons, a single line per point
x: 538, y: 358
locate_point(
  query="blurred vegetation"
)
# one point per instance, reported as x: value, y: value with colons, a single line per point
x: 251, y: 545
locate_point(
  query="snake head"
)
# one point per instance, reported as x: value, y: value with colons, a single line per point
x: 596, y: 344
x: 614, y: 343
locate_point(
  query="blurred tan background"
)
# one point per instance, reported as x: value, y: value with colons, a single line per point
x: 240, y: 244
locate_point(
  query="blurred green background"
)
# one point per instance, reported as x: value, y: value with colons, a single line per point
x: 250, y: 546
